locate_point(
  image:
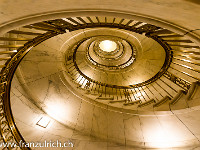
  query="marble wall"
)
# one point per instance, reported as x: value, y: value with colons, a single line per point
x: 91, y: 126
x: 38, y: 90
x: 94, y: 127
x: 180, y: 12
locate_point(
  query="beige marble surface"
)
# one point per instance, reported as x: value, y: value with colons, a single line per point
x: 175, y: 11
x: 149, y: 59
x: 89, y: 126
x: 97, y: 127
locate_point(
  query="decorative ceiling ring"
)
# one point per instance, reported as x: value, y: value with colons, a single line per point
x: 107, y: 46
x: 157, y: 76
x: 94, y: 46
x: 104, y: 54
x: 112, y: 67
x: 112, y: 55
x: 114, y: 61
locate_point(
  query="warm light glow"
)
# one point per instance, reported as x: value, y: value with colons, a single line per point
x: 58, y: 110
x: 43, y: 122
x: 158, y: 138
x: 138, y: 95
x: 108, y: 46
x: 186, y: 60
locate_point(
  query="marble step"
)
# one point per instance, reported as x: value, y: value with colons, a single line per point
x: 147, y: 103
x: 163, y: 104
x: 193, y: 95
x: 133, y: 103
x: 95, y: 94
x: 192, y: 92
x: 118, y: 101
x: 105, y: 98
x: 24, y: 32
x: 178, y: 96
x: 147, y: 106
x: 179, y: 101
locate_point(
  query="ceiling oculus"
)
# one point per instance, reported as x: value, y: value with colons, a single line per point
x: 108, y: 46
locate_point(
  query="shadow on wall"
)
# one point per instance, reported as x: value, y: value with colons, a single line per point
x: 194, y: 1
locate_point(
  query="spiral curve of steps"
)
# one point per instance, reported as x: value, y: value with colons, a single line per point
x: 173, y: 80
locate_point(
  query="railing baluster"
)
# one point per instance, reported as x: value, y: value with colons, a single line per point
x: 130, y: 21
x: 81, y: 19
x: 145, y: 93
x: 90, y: 20
x: 133, y: 95
x: 141, y: 94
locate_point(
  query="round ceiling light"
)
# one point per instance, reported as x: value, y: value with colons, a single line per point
x: 107, y: 45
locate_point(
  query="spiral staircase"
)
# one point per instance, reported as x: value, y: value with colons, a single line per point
x: 152, y: 70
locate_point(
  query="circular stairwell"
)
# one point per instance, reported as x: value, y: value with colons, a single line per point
x: 120, y: 81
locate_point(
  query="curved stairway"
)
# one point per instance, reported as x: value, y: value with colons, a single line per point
x: 175, y: 87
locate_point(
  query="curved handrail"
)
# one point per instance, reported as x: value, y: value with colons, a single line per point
x: 168, y: 59
x: 5, y: 81
x: 8, y: 129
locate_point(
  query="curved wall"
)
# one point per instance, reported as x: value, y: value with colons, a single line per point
x: 142, y: 130
x: 41, y: 90
x: 178, y: 13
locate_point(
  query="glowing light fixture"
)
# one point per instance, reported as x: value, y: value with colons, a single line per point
x: 107, y: 45
x: 43, y: 122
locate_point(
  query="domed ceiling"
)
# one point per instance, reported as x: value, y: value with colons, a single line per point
x: 136, y: 58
